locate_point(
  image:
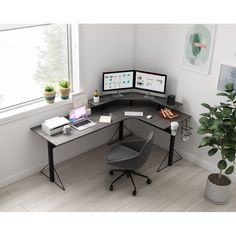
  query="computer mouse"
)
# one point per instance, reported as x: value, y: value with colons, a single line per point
x: 149, y: 116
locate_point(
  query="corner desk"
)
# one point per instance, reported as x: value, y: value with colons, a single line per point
x: 116, y: 106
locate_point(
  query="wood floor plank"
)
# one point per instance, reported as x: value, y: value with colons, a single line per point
x: 87, y: 180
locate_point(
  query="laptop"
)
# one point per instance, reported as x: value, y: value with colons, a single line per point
x: 79, y: 120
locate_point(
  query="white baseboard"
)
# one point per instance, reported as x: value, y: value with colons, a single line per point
x: 204, y: 164
x: 21, y: 175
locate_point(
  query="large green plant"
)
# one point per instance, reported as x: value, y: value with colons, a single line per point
x: 218, y: 126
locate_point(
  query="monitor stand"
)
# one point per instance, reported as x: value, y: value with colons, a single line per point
x: 118, y: 94
x: 148, y: 96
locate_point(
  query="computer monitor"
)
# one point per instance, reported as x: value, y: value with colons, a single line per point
x: 151, y: 82
x: 115, y: 81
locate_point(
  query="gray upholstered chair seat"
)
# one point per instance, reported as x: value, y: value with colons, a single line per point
x: 130, y: 156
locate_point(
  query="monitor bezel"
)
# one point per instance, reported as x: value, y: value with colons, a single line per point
x: 152, y: 73
x: 112, y: 72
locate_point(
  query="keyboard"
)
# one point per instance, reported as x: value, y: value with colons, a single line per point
x: 85, y: 122
x: 133, y: 113
x: 84, y: 125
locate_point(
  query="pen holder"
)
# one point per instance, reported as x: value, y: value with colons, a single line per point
x: 95, y: 99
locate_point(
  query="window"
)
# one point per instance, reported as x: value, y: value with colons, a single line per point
x: 32, y: 57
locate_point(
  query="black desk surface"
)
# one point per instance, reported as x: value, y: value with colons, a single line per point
x: 117, y: 116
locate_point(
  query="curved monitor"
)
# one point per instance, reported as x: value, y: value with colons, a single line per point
x: 152, y: 82
x: 118, y: 80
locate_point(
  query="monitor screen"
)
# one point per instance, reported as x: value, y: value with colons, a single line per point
x: 152, y: 82
x: 118, y: 80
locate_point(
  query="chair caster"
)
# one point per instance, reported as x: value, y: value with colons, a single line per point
x: 134, y: 193
x: 149, y: 181
x: 111, y: 172
x: 111, y: 187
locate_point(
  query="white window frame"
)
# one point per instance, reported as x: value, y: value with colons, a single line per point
x: 73, y: 70
x: 74, y: 63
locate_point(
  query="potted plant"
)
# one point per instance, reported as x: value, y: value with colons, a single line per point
x: 64, y: 89
x: 49, y: 93
x: 96, y: 96
x: 218, y: 125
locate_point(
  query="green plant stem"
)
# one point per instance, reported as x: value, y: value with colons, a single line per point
x: 218, y: 180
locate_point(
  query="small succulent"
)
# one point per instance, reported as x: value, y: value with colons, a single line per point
x: 64, y: 83
x: 96, y: 93
x: 49, y: 88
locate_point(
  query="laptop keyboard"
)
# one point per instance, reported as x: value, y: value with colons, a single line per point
x: 85, y: 122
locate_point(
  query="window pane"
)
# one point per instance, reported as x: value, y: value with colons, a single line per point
x: 31, y: 58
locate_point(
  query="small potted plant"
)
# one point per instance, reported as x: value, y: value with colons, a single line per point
x: 96, y: 96
x: 218, y: 125
x: 49, y: 93
x: 64, y: 89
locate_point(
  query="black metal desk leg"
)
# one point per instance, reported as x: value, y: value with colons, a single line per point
x: 121, y: 130
x: 50, y: 162
x: 171, y: 150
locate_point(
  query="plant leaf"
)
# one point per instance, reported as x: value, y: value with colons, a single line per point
x: 229, y: 87
x: 205, y: 141
x: 215, y: 125
x: 231, y: 157
x: 206, y: 106
x: 212, y: 151
x: 234, y: 113
x: 227, y: 111
x: 229, y: 170
x: 205, y: 114
x: 204, y: 122
x: 222, y: 164
x: 222, y: 94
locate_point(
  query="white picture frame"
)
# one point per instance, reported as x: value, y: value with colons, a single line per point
x: 199, y: 41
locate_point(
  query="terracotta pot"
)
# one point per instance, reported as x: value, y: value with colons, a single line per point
x: 65, y: 93
x: 50, y: 96
x: 218, y: 192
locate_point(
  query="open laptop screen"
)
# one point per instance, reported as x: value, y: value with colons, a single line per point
x: 78, y: 114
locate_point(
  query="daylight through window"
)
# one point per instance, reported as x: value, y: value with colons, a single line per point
x: 31, y: 58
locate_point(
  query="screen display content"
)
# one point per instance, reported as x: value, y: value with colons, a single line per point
x: 118, y: 80
x: 150, y: 81
x: 77, y: 114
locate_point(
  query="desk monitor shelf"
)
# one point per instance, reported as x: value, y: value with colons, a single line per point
x: 133, y: 97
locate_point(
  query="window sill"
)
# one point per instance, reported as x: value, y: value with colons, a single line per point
x: 32, y: 109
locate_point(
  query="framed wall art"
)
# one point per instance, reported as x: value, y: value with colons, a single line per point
x: 198, y: 47
x: 227, y: 75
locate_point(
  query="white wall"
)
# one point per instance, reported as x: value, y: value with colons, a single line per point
x: 22, y: 152
x: 106, y: 48
x: 160, y: 48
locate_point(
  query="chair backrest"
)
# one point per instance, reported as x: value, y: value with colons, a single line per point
x: 144, y: 153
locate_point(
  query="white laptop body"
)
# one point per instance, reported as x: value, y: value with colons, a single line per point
x: 79, y: 120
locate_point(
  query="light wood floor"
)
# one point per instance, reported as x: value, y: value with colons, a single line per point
x: 86, y: 178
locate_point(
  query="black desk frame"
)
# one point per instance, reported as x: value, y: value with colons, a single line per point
x: 51, y: 167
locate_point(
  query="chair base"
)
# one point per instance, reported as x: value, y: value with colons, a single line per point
x: 129, y: 174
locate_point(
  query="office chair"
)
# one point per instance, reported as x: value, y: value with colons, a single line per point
x: 130, y: 156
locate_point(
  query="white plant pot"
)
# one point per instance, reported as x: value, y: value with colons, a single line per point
x: 96, y: 99
x: 217, y: 194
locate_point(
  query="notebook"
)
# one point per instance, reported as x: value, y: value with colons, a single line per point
x: 79, y: 120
